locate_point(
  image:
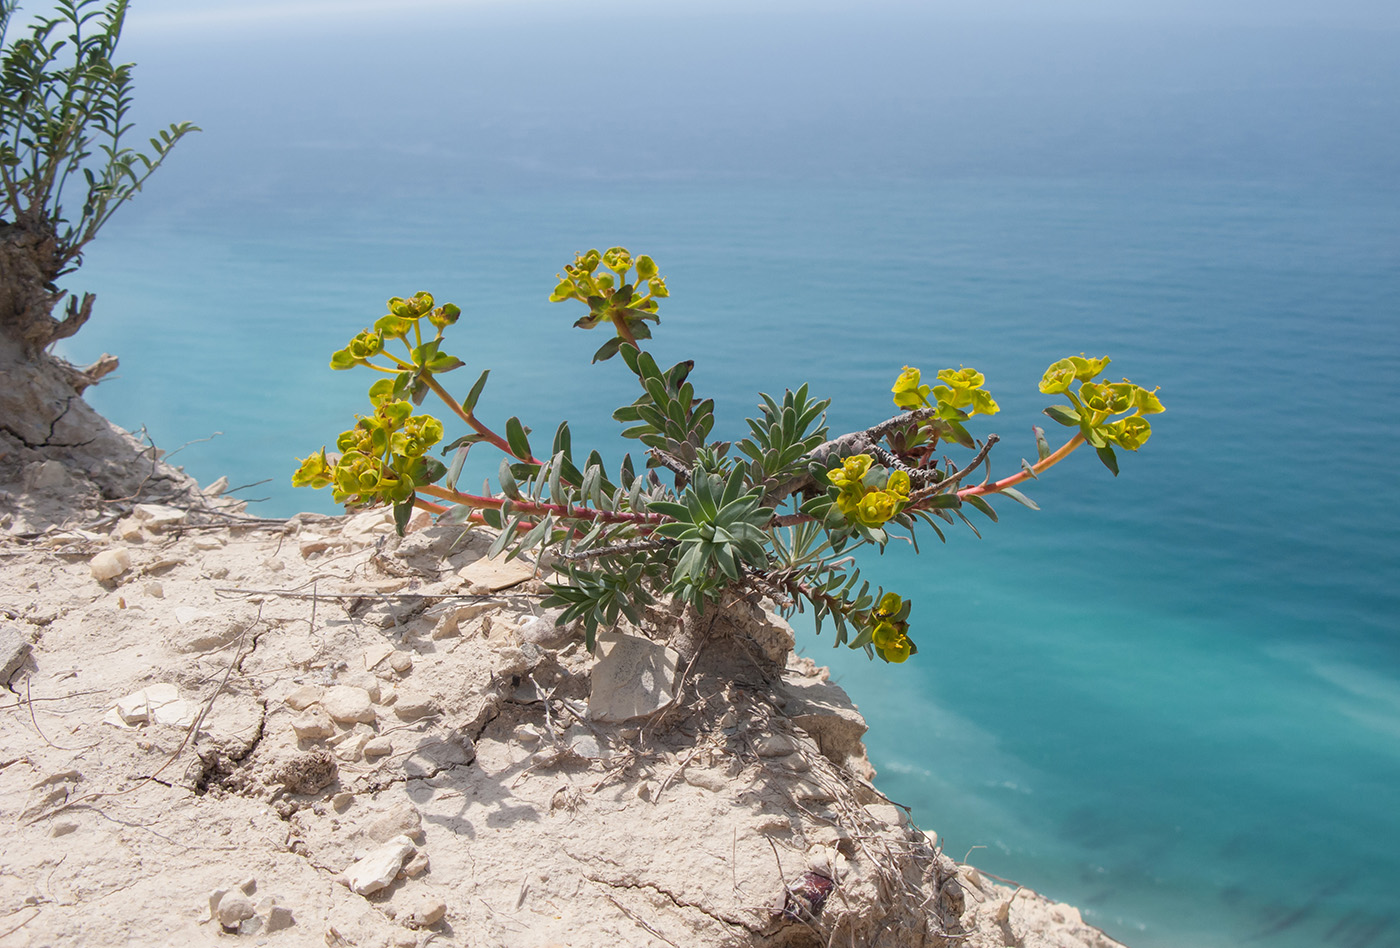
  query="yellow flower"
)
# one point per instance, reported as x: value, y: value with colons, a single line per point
x: 908, y: 393
x: 899, y: 651
x: 851, y: 471
x: 314, y: 472
x: 877, y: 507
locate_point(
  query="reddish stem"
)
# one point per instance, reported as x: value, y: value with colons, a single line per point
x: 624, y: 332
x: 1049, y: 461
x: 531, y: 507
x: 429, y: 506
x: 475, y: 425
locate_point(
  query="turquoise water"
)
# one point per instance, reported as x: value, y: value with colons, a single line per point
x: 1171, y: 698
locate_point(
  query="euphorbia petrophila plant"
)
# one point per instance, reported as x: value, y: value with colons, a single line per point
x: 776, y: 513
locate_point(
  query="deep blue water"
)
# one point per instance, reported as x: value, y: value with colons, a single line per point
x: 1171, y: 698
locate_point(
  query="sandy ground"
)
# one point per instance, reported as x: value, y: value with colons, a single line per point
x: 225, y: 729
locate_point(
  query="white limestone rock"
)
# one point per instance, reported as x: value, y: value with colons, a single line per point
x: 634, y: 677
x: 378, y: 867
x: 109, y: 564
x: 348, y: 704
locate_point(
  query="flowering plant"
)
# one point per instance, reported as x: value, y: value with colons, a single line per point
x: 776, y: 513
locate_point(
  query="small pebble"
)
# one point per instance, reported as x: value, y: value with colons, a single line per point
x: 154, y: 590
x: 109, y: 564
x: 313, y: 725
x: 348, y: 704
x: 378, y: 747
x: 279, y: 917
x: 416, y: 866
x: 234, y: 907
x: 401, y: 662
x: 412, y: 705
x: 774, y: 745
x: 303, y: 697
x: 424, y: 910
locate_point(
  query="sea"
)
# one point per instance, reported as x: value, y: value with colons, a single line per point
x: 1170, y: 697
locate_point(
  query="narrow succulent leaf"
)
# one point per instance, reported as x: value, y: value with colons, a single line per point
x: 469, y: 403
x: 1042, y: 446
x: 983, y: 506
x: 1019, y: 497
x: 1109, y: 459
x: 1064, y: 414
x: 507, y: 480
x: 516, y: 438
x: 402, y: 512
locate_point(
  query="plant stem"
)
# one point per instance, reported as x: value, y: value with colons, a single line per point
x: 470, y: 419
x: 532, y: 507
x: 1050, y: 461
x: 429, y: 506
x: 624, y: 332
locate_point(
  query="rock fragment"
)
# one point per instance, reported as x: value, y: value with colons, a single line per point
x: 378, y: 747
x: 705, y: 779
x: 278, y: 918
x: 379, y: 867
x: 634, y: 677
x: 109, y: 564
x: 154, y: 704
x: 494, y: 574
x: 299, y: 699
x: 233, y: 908
x: 158, y: 517
x: 14, y: 649
x: 416, y: 866
x: 348, y: 704
x: 541, y: 631
x: 412, y: 705
x: 313, y: 724
x: 425, y: 909
x: 774, y: 745
x: 401, y: 820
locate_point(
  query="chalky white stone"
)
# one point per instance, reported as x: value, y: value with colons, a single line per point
x: 378, y: 867
x: 634, y: 677
x: 348, y: 704
x: 109, y: 564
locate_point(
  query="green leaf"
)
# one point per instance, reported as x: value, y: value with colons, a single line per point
x: 402, y: 512
x: 1042, y: 446
x: 1064, y: 414
x: 1109, y: 459
x: 608, y: 349
x: 1019, y: 497
x: 515, y: 437
x: 1026, y: 466
x: 469, y: 403
x: 507, y: 479
x: 983, y: 506
x: 444, y: 363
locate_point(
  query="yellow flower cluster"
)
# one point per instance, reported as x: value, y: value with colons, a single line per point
x: 1097, y: 402
x: 871, y: 505
x: 382, y: 456
x: 959, y: 396
x: 890, y: 633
